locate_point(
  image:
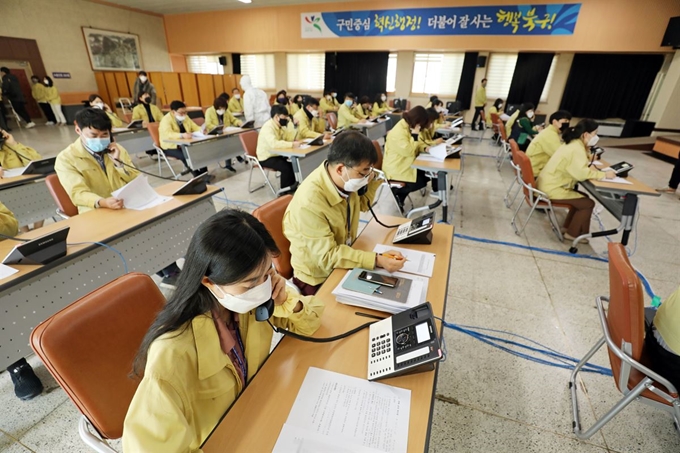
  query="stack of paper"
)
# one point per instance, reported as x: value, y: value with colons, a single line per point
x: 199, y: 134
x: 13, y: 172
x: 418, y: 263
x: 229, y: 129
x: 138, y: 195
x: 335, y: 413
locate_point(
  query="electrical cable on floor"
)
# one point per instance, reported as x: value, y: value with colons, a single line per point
x: 118, y: 252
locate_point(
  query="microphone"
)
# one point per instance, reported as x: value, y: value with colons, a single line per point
x: 142, y: 171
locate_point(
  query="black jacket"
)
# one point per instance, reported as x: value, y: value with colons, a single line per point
x: 11, y: 88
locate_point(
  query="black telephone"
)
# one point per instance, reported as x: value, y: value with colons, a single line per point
x: 417, y: 231
x: 403, y: 344
x: 265, y: 311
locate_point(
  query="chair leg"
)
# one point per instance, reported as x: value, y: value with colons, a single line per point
x: 554, y: 224
x: 91, y: 440
x: 506, y: 200
x: 266, y: 180
x: 518, y: 232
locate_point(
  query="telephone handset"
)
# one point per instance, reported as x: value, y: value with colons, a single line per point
x: 403, y: 344
x: 265, y: 311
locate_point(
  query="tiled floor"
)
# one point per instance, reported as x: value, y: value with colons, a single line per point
x: 486, y: 400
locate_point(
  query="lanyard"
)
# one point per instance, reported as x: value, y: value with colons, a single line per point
x: 242, y: 364
x: 348, y: 240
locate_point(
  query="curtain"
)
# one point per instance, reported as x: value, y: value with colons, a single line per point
x: 236, y: 62
x: 467, y: 80
x: 529, y: 77
x: 610, y: 85
x: 362, y: 73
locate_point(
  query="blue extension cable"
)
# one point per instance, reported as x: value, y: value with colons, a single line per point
x: 118, y: 252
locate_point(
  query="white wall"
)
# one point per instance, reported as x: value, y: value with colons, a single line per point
x: 56, y: 26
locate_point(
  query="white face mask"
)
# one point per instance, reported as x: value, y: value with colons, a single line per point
x: 98, y: 105
x: 439, y: 109
x: 335, y: 95
x: 250, y: 300
x: 593, y: 140
x: 353, y: 185
x: 237, y: 96
x: 142, y: 78
x: 46, y: 82
x: 383, y: 98
x: 530, y: 114
x: 180, y: 118
x: 220, y: 111
x: 315, y: 113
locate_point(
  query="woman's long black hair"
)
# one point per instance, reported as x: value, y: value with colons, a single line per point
x: 378, y: 99
x: 226, y: 248
x: 524, y: 108
x: 583, y: 126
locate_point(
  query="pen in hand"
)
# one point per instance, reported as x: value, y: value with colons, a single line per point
x: 393, y: 257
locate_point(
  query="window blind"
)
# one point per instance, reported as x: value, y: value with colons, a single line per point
x: 499, y: 75
x: 437, y: 73
x: 306, y: 71
x: 260, y: 68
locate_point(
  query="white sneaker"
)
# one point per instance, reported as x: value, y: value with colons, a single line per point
x: 30, y: 125
x: 49, y: 123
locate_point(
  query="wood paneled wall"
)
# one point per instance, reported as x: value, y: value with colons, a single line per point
x: 193, y: 89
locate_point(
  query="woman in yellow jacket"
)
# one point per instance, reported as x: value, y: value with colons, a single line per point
x: 401, y: 150
x: 218, y: 115
x: 205, y: 344
x: 146, y: 111
x: 295, y: 104
x: 363, y: 108
x: 569, y: 165
x: 380, y: 105
x: 38, y: 92
x: 427, y: 133
x: 52, y: 96
x: 309, y: 124
x: 329, y: 102
x: 96, y: 102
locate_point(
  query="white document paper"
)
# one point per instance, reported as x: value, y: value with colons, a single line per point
x: 6, y: 271
x: 597, y: 163
x: 617, y: 180
x: 138, y: 195
x: 418, y: 263
x: 305, y: 146
x: 199, y: 134
x: 417, y: 294
x: 11, y: 173
x: 438, y: 151
x: 429, y: 158
x: 338, y: 413
x: 231, y: 129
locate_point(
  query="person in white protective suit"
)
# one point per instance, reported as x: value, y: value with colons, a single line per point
x: 255, y: 103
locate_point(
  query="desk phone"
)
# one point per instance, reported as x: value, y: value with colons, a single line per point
x: 417, y: 231
x: 622, y: 168
x: 404, y: 343
x: 454, y: 139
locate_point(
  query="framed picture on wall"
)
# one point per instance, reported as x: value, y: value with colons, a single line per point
x: 112, y: 50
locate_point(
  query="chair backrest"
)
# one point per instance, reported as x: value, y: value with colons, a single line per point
x: 90, y: 345
x: 495, y: 118
x: 61, y: 198
x: 501, y: 128
x: 199, y: 120
x: 271, y: 216
x: 332, y: 119
x: 454, y: 107
x: 249, y: 142
x: 625, y: 315
x: 522, y: 161
x: 153, y: 132
x: 378, y: 150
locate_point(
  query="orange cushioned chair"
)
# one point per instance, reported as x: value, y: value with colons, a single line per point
x: 249, y: 142
x: 271, y: 216
x: 623, y: 326
x: 89, y: 348
x: 65, y: 206
x: 155, y: 138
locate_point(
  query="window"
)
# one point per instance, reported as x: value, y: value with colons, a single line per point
x: 499, y: 74
x: 392, y: 73
x: 548, y: 81
x: 306, y: 71
x: 437, y: 73
x: 204, y: 64
x: 260, y: 68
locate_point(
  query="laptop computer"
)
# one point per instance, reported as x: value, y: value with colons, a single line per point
x: 40, y: 167
x: 248, y: 125
x: 197, y: 184
x: 318, y: 141
x: 136, y: 124
x: 217, y: 130
x: 41, y: 250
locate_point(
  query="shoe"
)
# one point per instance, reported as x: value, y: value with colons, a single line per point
x: 240, y: 159
x: 30, y: 125
x: 571, y: 238
x: 666, y: 190
x: 26, y: 383
x: 170, y: 281
x: 229, y: 167
x: 186, y: 171
x: 49, y: 123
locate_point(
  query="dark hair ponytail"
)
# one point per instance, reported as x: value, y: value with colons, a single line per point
x: 583, y: 126
x: 226, y: 248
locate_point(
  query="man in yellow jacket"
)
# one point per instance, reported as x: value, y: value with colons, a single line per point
x: 322, y: 220
x: 275, y: 134
x: 663, y: 340
x: 219, y: 115
x: 480, y: 103
x: 308, y: 122
x: 40, y: 95
x: 177, y: 125
x: 235, y: 103
x: 89, y: 169
x: 146, y: 111
x: 346, y: 116
x: 544, y: 145
x: 329, y: 101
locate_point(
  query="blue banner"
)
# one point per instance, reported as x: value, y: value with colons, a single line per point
x: 554, y: 19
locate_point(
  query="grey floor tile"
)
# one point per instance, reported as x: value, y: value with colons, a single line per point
x: 464, y: 430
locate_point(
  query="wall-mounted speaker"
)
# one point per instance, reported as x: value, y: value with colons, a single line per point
x: 672, y: 36
x: 223, y: 60
x: 481, y: 61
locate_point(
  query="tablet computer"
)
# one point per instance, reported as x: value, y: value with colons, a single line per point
x: 197, y: 184
x: 40, y: 167
x: 136, y: 124
x: 217, y: 130
x: 41, y: 250
x: 248, y: 125
x: 318, y: 141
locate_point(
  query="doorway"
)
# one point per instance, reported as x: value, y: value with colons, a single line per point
x: 22, y: 71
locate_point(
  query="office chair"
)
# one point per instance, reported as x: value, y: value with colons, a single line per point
x: 155, y: 137
x: 385, y: 182
x: 89, y: 347
x: 514, y: 163
x: 65, y: 207
x: 271, y: 216
x: 623, y: 327
x: 535, y: 198
x: 332, y: 119
x: 249, y: 142
x: 504, y: 150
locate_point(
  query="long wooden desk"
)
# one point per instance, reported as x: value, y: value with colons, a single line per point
x: 204, y: 151
x: 441, y: 170
x: 304, y: 160
x: 135, y: 141
x: 149, y: 240
x: 254, y: 421
x: 28, y: 198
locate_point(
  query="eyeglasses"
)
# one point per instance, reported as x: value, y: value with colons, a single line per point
x: 364, y: 175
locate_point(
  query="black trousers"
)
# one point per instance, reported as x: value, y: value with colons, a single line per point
x: 20, y: 108
x: 47, y: 110
x: 662, y: 361
x: 3, y: 116
x: 281, y: 164
x: 478, y: 116
x: 178, y: 154
x: 675, y: 176
x: 420, y: 182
